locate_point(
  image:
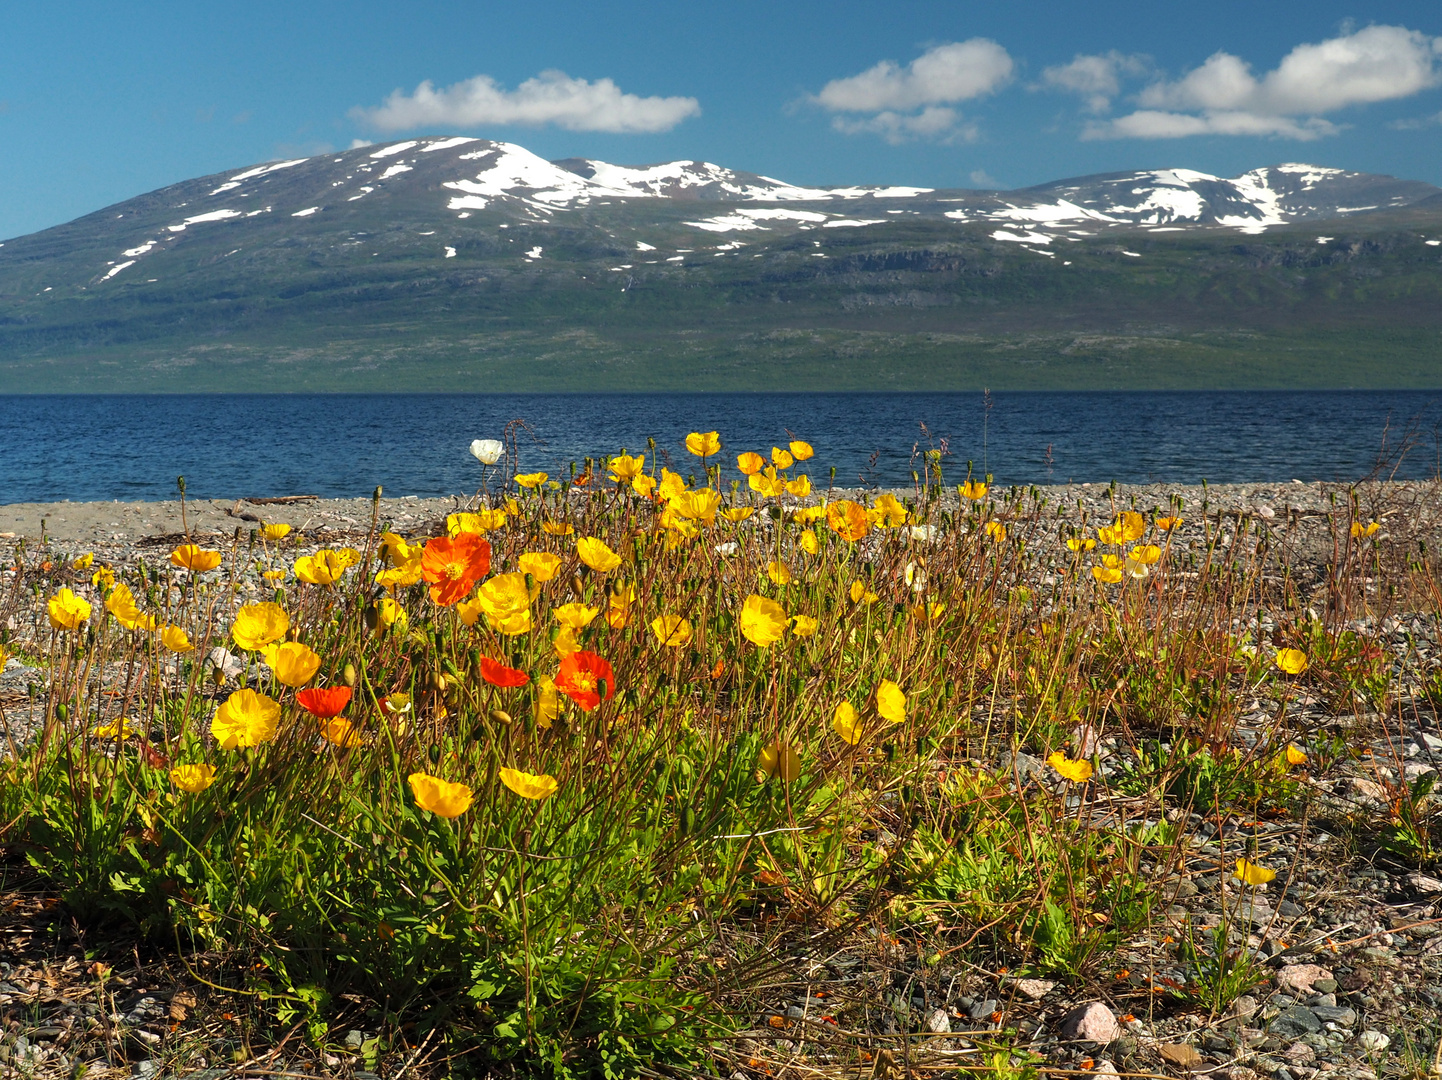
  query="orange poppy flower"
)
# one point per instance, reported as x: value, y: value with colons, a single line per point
x: 498, y: 674
x: 454, y: 565
x: 324, y: 702
x: 584, y: 677
x: 847, y: 519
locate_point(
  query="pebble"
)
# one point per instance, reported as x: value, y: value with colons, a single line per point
x: 1300, y: 978
x: 1182, y: 1055
x: 1092, y: 1022
x: 938, y: 1023
x: 1036, y: 989
x: 1295, y: 1020
x: 1374, y: 1041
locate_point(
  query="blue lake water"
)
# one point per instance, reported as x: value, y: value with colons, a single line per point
x: 232, y: 446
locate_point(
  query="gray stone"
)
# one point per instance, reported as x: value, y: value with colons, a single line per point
x: 982, y: 1010
x: 1300, y: 978
x: 353, y: 1040
x: 1295, y: 1020
x: 1341, y: 1016
x: 795, y: 1012
x: 145, y: 1069
x: 1325, y: 986
x: 938, y: 1023
x: 1092, y: 1022
x: 1024, y: 765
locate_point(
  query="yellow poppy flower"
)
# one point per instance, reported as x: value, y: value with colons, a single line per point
x: 273, y: 576
x: 531, y: 480
x: 750, y: 463
x: 1249, y: 873
x: 763, y: 622
x: 192, y: 779
x: 576, y: 616
x: 779, y: 573
x: 1296, y: 756
x: 1292, y: 661
x: 83, y: 562
x: 245, y: 719
x: 1076, y: 771
x: 1113, y: 562
x: 704, y: 443
x: 890, y: 702
x: 846, y: 723
x: 1167, y: 524
x: 294, y: 664
x: 625, y: 468
x: 1370, y: 529
x: 548, y: 702
x: 557, y: 528
x: 118, y: 730
x: 529, y: 785
x: 973, y: 490
x: 804, y: 625
x: 644, y: 486
x: 800, y: 487
x: 275, y: 531
x: 930, y: 612
x: 339, y: 731
x: 388, y: 612
x: 1107, y: 575
x: 672, y: 630
x: 68, y: 611
x: 483, y: 521
x: 808, y: 542
x: 995, y: 530
x: 407, y: 570
x: 1146, y: 554
x: 860, y: 594
x: 1078, y: 543
x: 325, y: 567
x: 801, y: 451
x: 194, y: 558
x: 892, y: 515
x: 506, y: 602
x: 257, y: 625
x: 103, y: 578
x: 121, y: 604
x: 809, y: 515
x: 175, y: 639
x: 618, y: 611
x: 847, y: 519
x: 440, y: 797
x: 778, y: 760
x: 672, y: 484
x: 737, y: 514
x: 699, y: 505
x: 595, y: 554
x: 782, y: 459
x: 767, y: 483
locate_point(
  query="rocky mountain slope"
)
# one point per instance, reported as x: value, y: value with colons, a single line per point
x: 482, y: 258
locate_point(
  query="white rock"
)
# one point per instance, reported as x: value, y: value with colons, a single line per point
x: 1374, y: 1041
x: 938, y: 1023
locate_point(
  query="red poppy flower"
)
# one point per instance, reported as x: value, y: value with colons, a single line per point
x: 583, y: 677
x: 324, y: 701
x: 497, y: 674
x: 454, y: 565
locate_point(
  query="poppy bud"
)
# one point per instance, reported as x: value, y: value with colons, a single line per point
x: 280, y: 596
x: 475, y: 660
x: 293, y: 634
x: 688, y: 822
x: 889, y: 749
x: 62, y: 712
x: 437, y: 681
x: 578, y: 585
x: 217, y: 675
x: 435, y: 754
x: 499, y: 716
x: 372, y: 617
x: 450, y: 669
x: 602, y: 689
x: 348, y: 675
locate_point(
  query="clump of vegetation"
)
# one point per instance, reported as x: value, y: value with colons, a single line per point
x: 561, y: 787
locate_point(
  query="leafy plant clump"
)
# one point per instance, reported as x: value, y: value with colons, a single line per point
x: 560, y: 781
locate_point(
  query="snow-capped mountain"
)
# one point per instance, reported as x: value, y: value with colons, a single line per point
x: 460, y: 177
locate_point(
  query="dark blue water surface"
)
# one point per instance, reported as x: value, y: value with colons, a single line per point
x: 233, y: 446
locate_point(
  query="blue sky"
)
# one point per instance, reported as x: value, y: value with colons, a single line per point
x: 100, y: 101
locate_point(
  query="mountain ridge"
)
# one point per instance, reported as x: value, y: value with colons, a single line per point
x: 390, y: 260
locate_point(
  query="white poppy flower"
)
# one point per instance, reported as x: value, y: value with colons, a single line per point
x: 487, y: 451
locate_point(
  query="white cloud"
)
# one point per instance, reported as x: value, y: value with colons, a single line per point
x: 1097, y: 79
x: 552, y: 97
x: 1224, y: 97
x: 912, y: 102
x: 1416, y: 123
x: 982, y: 179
